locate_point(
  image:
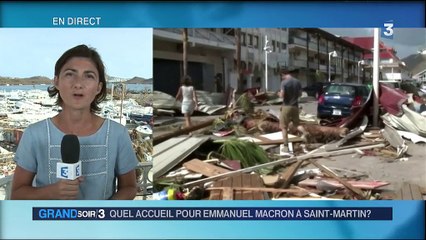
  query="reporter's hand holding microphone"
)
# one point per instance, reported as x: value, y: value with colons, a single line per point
x: 69, y: 170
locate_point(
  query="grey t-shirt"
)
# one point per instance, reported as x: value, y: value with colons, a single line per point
x: 104, y: 155
x: 292, y: 89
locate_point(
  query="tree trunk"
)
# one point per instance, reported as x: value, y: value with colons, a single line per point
x: 184, y: 54
x: 166, y: 136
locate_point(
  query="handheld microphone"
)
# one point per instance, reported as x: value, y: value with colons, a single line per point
x: 70, y: 167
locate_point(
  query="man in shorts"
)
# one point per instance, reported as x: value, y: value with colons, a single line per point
x: 291, y: 90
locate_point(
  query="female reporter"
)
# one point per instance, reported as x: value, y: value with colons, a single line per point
x: 106, y: 153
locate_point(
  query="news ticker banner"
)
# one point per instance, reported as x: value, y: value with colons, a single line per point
x: 212, y: 213
x: 403, y: 14
x: 212, y: 219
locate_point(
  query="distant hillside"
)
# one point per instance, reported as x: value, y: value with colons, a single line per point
x: 415, y: 63
x: 44, y: 80
x: 139, y: 80
x: 25, y: 81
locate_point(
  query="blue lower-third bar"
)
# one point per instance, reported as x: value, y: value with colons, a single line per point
x: 213, y: 213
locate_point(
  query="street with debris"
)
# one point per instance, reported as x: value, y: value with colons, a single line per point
x: 363, y: 162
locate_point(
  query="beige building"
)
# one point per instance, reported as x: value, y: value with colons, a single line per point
x: 212, y: 57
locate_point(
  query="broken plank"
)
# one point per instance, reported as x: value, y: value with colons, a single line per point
x: 216, y: 194
x: 238, y: 182
x: 265, y: 141
x: 348, y: 146
x: 228, y: 193
x: 260, y: 189
x: 227, y: 182
x: 272, y: 180
x: 246, y: 182
x: 415, y: 192
x: 204, y: 168
x: 238, y: 191
x: 409, y: 192
x: 289, y: 173
x: 256, y: 181
x: 287, y: 176
x: 368, y: 185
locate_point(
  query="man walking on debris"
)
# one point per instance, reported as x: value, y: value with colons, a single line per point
x: 291, y: 90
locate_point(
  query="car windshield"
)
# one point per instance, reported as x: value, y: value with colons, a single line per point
x: 340, y: 90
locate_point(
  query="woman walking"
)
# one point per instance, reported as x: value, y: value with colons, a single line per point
x: 187, y: 95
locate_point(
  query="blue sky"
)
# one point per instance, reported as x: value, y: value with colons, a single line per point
x: 27, y: 52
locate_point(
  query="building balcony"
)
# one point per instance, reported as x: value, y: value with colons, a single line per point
x: 313, y: 46
x: 296, y: 42
x: 298, y: 63
x: 313, y: 65
x: 202, y: 37
x: 323, y: 49
x: 323, y: 68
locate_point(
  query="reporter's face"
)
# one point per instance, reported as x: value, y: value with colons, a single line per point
x: 78, y: 83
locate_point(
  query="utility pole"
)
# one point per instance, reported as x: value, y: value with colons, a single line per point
x: 376, y: 61
x: 185, y: 54
x: 240, y: 75
x: 268, y: 49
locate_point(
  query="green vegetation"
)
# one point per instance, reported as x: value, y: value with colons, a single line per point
x: 25, y: 81
x: 249, y: 153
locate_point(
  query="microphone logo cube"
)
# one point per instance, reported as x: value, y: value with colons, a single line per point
x: 64, y: 172
x: 69, y: 171
x: 78, y: 171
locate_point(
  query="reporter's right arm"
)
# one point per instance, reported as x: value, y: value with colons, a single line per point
x: 22, y: 188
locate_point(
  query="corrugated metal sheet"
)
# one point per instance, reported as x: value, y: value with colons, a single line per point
x: 170, y: 153
x: 394, y: 139
x: 412, y: 136
x: 410, y: 121
x: 418, y: 120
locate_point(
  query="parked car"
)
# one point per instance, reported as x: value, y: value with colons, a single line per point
x: 339, y: 99
x: 315, y: 89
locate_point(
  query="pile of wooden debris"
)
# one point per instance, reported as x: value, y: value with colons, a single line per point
x: 196, y: 166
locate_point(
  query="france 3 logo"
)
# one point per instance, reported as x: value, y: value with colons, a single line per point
x: 64, y: 172
x: 387, y: 31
